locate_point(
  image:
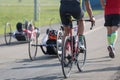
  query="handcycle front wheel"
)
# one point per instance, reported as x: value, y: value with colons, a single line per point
x: 66, y: 60
x: 59, y: 44
x: 8, y: 33
x: 32, y: 46
x: 81, y: 56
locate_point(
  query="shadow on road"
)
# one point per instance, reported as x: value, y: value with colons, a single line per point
x: 47, y: 77
x: 27, y: 63
x: 13, y: 43
x: 43, y: 57
x: 100, y: 59
x: 27, y: 66
x: 116, y: 68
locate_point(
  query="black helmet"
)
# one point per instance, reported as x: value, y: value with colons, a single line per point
x: 19, y: 27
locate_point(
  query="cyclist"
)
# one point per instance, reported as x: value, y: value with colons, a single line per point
x: 112, y: 22
x: 20, y: 32
x: 32, y: 29
x: 73, y: 8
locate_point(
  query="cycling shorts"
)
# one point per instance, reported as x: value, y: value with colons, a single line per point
x: 112, y: 20
x: 66, y: 11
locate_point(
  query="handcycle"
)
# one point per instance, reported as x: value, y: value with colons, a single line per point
x: 48, y: 43
x: 71, y: 54
x: 48, y: 46
x: 21, y: 33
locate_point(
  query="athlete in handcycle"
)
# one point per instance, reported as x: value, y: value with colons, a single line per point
x: 23, y: 32
x: 47, y: 42
x: 72, y: 8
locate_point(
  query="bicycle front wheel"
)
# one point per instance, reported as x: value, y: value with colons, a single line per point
x: 66, y: 59
x: 81, y: 56
x: 33, y: 42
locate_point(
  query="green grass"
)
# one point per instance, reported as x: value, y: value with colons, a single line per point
x: 13, y: 11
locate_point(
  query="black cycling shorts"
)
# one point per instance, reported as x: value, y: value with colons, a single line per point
x: 66, y: 11
x: 112, y: 20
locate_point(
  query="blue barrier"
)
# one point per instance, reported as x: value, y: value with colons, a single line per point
x: 95, y: 4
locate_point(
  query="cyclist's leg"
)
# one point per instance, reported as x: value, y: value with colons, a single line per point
x: 65, y: 19
x: 78, y: 15
x: 80, y: 33
x: 80, y: 27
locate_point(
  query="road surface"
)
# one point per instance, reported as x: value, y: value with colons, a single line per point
x: 16, y: 65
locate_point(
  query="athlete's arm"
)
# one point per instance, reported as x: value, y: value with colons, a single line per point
x: 89, y: 10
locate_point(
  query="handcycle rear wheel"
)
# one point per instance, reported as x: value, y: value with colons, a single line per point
x: 66, y: 60
x: 81, y: 56
x: 8, y: 33
x: 32, y: 46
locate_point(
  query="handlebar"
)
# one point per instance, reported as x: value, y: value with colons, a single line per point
x: 88, y: 20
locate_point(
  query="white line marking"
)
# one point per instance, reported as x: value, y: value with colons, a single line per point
x: 93, y: 30
x: 100, y: 27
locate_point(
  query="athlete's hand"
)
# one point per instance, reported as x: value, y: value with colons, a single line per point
x: 92, y: 20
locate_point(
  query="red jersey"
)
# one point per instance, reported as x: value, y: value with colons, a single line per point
x: 112, y: 7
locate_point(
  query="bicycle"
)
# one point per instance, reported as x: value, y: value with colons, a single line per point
x: 71, y: 53
x: 20, y: 36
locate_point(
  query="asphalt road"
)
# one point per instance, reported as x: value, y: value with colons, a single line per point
x: 16, y: 65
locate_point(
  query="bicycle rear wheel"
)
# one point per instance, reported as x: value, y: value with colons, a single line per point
x: 8, y: 33
x: 81, y: 56
x: 66, y: 59
x: 33, y: 42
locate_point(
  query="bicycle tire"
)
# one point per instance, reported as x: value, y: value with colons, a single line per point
x: 81, y: 57
x: 8, y: 33
x: 66, y: 59
x: 32, y: 49
x: 59, y: 44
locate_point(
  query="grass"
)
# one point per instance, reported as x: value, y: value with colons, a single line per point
x: 13, y: 11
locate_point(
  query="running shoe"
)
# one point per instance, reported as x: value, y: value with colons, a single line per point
x: 111, y: 51
x: 81, y: 46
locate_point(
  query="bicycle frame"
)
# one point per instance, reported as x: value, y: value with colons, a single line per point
x: 74, y: 44
x: 76, y: 35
